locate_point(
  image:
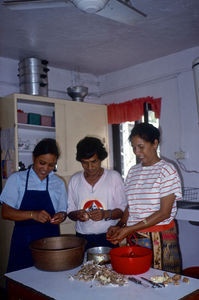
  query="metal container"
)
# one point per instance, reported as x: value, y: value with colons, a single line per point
x: 58, y: 253
x: 77, y: 93
x: 34, y: 88
x: 32, y: 61
x: 33, y: 77
x: 99, y: 254
x: 33, y: 70
x: 29, y: 78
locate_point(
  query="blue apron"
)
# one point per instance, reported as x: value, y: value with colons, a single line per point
x: 29, y: 230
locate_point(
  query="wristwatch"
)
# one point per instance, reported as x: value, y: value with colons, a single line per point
x: 110, y: 215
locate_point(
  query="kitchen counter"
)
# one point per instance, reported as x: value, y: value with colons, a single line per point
x: 32, y: 283
x: 187, y: 214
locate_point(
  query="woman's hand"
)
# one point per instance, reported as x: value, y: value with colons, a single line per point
x: 58, y: 218
x: 111, y: 231
x: 117, y: 234
x: 96, y: 214
x: 41, y: 216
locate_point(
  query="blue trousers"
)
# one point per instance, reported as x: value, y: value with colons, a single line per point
x: 96, y: 240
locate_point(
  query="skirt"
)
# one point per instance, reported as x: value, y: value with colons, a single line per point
x: 165, y: 247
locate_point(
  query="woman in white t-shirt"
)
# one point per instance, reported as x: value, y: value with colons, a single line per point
x: 96, y: 196
x: 152, y: 188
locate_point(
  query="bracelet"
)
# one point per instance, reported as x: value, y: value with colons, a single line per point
x: 31, y: 214
x: 144, y: 221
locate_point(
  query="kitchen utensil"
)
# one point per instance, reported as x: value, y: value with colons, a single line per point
x: 99, y: 254
x: 124, y: 262
x: 77, y: 93
x: 58, y: 253
x: 137, y: 281
x: 154, y: 284
x: 33, y: 77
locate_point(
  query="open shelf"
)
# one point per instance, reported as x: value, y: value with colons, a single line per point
x: 35, y: 127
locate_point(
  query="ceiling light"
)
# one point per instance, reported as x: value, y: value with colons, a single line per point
x: 90, y: 6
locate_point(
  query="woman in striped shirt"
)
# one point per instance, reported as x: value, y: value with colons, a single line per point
x: 152, y: 188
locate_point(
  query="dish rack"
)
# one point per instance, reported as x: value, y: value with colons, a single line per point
x: 190, y: 194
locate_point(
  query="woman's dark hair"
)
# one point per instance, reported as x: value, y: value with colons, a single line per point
x: 46, y: 146
x: 146, y: 131
x: 90, y: 146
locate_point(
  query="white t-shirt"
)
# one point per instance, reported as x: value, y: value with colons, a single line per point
x: 107, y: 193
x: 145, y: 186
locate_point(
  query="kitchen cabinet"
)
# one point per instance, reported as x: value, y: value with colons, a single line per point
x: 188, y: 221
x: 73, y: 121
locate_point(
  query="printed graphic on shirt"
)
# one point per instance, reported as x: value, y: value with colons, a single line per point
x: 92, y: 205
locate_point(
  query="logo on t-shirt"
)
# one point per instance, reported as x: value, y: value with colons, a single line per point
x: 92, y: 205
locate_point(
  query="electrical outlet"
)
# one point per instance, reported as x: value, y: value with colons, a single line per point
x: 180, y: 155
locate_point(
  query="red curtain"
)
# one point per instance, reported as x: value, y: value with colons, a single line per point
x: 132, y: 110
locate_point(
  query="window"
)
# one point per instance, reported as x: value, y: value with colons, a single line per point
x: 123, y: 154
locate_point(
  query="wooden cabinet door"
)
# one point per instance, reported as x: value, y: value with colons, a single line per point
x: 74, y: 121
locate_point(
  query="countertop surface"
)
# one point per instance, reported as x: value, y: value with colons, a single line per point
x: 59, y: 286
x: 187, y: 214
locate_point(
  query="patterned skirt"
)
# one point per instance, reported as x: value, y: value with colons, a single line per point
x: 165, y: 247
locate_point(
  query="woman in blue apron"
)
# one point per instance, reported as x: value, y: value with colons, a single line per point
x: 36, y: 200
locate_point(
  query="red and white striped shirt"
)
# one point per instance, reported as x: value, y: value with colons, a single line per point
x: 145, y: 186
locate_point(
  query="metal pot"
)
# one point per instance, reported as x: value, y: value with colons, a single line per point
x: 32, y: 61
x: 77, y: 93
x: 32, y: 69
x: 34, y: 88
x: 58, y: 253
x: 99, y: 254
x: 34, y: 77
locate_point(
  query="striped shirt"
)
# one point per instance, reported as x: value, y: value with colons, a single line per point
x: 145, y: 186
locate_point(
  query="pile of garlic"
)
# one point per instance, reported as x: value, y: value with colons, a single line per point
x: 166, y: 279
x: 91, y: 271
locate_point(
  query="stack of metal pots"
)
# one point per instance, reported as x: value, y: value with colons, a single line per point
x: 33, y: 76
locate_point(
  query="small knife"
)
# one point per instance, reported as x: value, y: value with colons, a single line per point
x: 154, y: 284
x: 133, y: 279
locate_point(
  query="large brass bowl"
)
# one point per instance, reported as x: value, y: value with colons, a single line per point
x: 58, y: 253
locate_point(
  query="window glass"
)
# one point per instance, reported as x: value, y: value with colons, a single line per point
x: 128, y: 158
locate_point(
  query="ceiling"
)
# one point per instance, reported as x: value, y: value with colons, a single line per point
x: 71, y: 39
